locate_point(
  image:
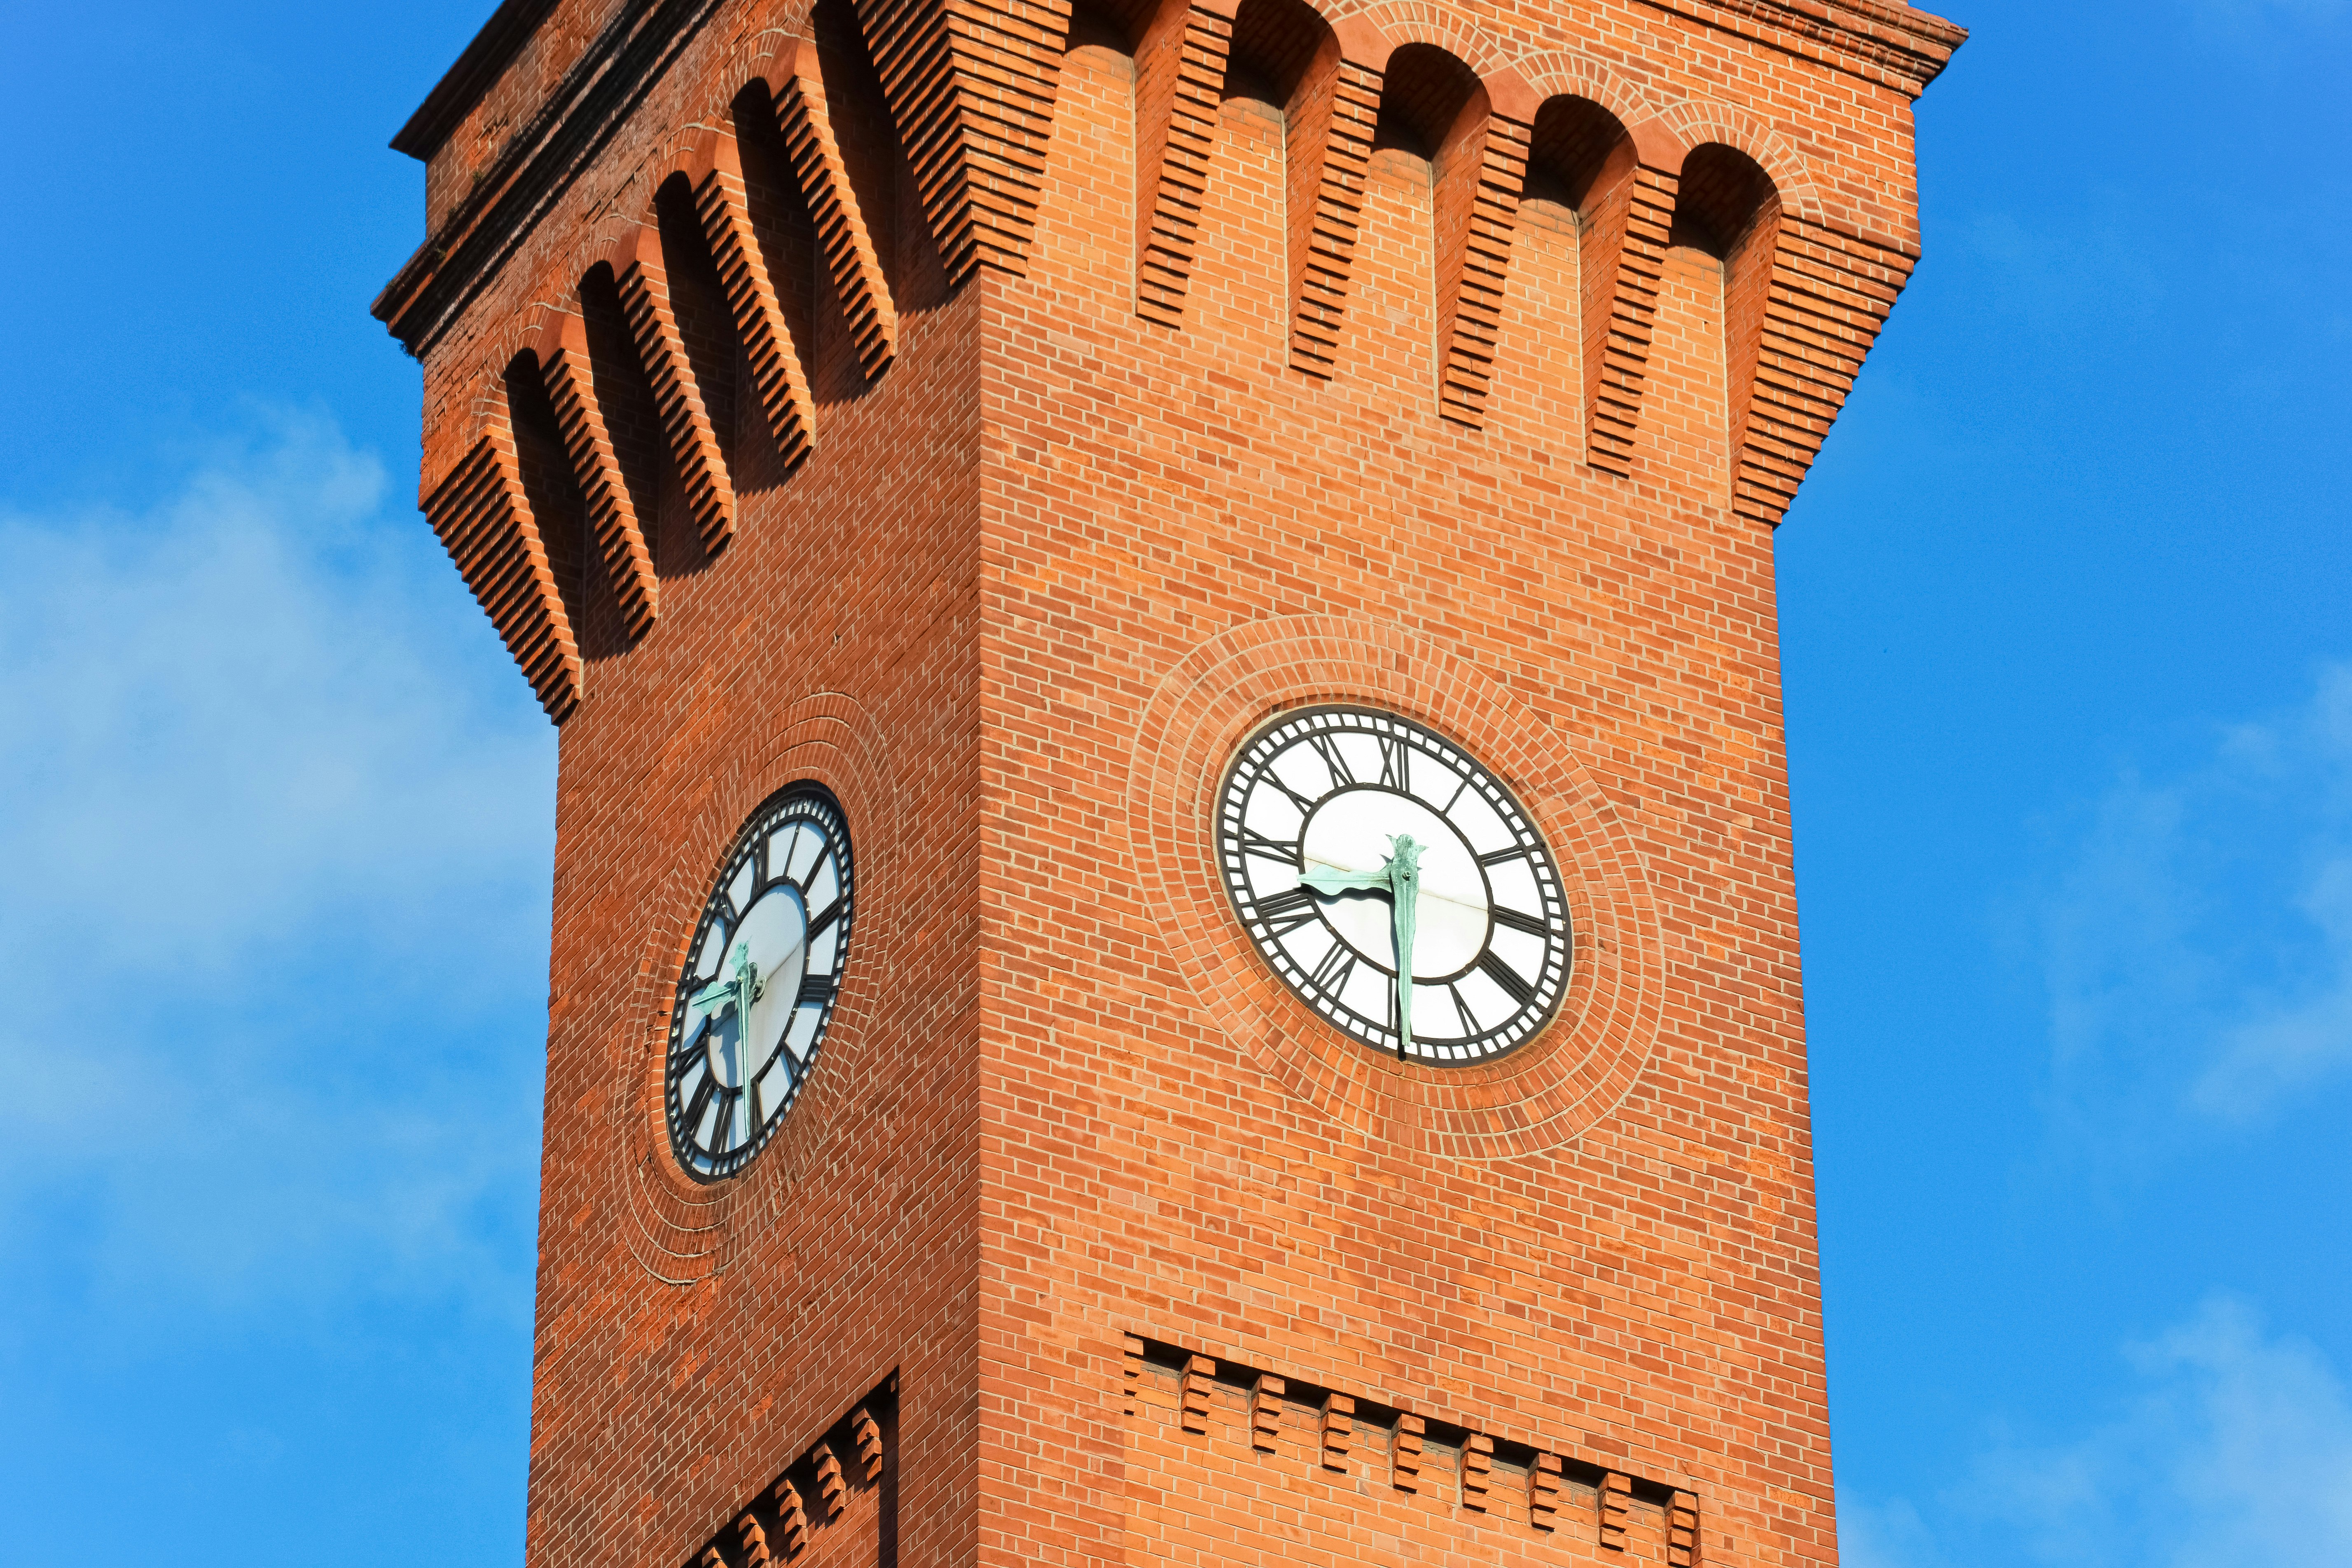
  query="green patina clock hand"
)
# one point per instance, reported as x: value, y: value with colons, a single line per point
x: 744, y: 987
x: 1400, y: 879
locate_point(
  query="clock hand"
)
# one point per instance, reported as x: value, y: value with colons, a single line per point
x: 747, y: 991
x: 1400, y: 879
x: 1331, y: 881
x: 1404, y: 883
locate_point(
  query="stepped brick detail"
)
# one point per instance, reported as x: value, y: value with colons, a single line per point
x: 720, y: 206
x: 1684, y: 1548
x: 1339, y: 1430
x: 1473, y: 262
x: 484, y: 520
x: 1201, y: 1428
x: 1477, y: 1472
x: 1612, y: 1509
x: 1330, y: 154
x: 1179, y: 73
x: 805, y: 118
x: 868, y: 1434
x: 1829, y: 295
x: 1266, y: 1413
x: 970, y: 84
x: 563, y: 365
x: 1199, y: 1379
x: 1544, y: 1480
x: 1406, y: 1453
x: 645, y: 298
x: 1627, y: 236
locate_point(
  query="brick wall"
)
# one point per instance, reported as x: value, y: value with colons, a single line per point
x: 995, y: 431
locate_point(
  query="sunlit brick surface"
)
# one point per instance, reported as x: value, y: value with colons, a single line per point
x: 1007, y: 531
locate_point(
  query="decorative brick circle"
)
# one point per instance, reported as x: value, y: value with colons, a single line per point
x: 1539, y: 1096
x: 684, y: 1230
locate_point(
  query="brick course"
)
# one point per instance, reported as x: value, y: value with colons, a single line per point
x: 991, y: 411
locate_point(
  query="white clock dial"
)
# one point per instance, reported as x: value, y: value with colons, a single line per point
x: 759, y: 985
x: 1394, y: 883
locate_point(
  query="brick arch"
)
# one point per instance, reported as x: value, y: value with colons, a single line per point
x: 766, y: 56
x: 1696, y: 121
x: 692, y: 151
x: 485, y: 400
x: 1557, y: 74
x: 1402, y: 22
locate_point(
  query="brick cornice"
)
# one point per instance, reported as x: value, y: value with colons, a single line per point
x: 582, y: 113
x: 1893, y: 44
x: 462, y: 85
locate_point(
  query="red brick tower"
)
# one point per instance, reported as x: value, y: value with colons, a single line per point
x: 985, y: 418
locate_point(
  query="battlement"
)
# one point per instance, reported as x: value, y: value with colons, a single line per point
x: 665, y: 234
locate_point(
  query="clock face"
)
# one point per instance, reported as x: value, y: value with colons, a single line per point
x: 1350, y: 838
x: 759, y: 980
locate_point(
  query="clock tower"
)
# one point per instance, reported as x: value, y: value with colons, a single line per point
x: 1174, y: 928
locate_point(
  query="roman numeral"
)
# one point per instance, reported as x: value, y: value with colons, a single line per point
x: 1332, y: 972
x: 1504, y: 975
x: 1503, y: 857
x: 1303, y: 803
x: 818, y: 924
x: 816, y: 990
x: 698, y: 1105
x: 1328, y: 749
x: 1283, y: 850
x: 1461, y: 1018
x: 1288, y: 910
x: 1517, y: 921
x: 1396, y: 766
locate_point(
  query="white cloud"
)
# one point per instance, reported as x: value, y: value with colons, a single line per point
x: 2197, y: 947
x: 2236, y: 1447
x: 1873, y: 1534
x: 274, y: 818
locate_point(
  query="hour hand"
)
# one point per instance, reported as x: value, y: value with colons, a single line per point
x: 1329, y: 880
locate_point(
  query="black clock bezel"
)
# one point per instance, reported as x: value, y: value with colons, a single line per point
x: 1255, y: 755
x: 803, y: 799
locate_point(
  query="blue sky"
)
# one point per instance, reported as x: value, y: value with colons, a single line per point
x: 2070, y: 699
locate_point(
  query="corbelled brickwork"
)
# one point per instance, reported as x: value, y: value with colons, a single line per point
x: 993, y: 410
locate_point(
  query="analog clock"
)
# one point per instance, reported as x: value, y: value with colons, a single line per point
x: 760, y: 980
x: 1394, y: 883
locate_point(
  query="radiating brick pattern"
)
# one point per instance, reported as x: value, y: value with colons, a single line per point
x: 485, y: 522
x: 1179, y: 73
x: 1829, y: 295
x: 693, y: 444
x: 595, y: 467
x: 776, y: 371
x: 805, y: 116
x: 971, y: 83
